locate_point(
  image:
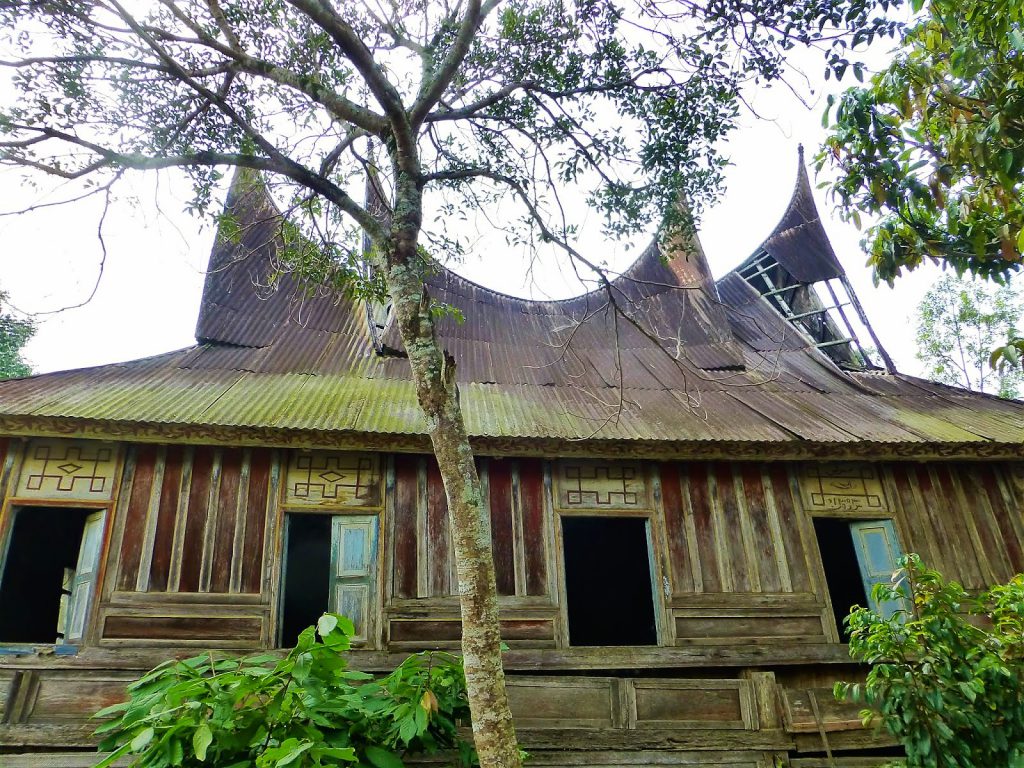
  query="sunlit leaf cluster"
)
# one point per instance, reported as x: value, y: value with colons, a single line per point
x: 947, y: 676
x: 304, y: 710
x: 959, y: 322
x: 15, y: 331
x: 934, y: 145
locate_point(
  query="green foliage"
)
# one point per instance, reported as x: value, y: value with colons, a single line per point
x: 959, y: 322
x: 507, y: 106
x: 935, y: 144
x: 14, y: 334
x: 947, y: 678
x: 305, y: 710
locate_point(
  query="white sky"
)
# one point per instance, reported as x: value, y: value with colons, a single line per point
x: 148, y: 298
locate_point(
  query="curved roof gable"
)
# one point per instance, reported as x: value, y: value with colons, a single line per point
x: 687, y: 368
x: 799, y: 242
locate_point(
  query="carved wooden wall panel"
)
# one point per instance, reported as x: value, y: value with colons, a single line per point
x: 842, y: 487
x: 334, y: 479
x: 594, y: 485
x: 73, y: 470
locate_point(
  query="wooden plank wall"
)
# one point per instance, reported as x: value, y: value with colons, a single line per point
x: 191, y: 560
x: 422, y: 579
x: 737, y: 544
x: 963, y: 518
x: 424, y: 566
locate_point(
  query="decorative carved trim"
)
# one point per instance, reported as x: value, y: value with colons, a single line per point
x: 601, y: 485
x: 333, y: 479
x: 51, y: 426
x: 66, y: 469
x: 847, y: 487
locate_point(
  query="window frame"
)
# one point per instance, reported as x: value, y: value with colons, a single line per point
x: 370, y: 637
x: 9, y: 509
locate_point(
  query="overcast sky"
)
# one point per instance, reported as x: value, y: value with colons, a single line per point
x: 147, y: 300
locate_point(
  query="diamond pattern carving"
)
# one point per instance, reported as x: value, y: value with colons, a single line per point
x: 333, y: 479
x: 68, y: 469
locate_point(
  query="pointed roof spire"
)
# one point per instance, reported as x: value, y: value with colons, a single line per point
x: 799, y: 242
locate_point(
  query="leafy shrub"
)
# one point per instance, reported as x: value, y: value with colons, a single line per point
x: 947, y: 675
x: 304, y: 710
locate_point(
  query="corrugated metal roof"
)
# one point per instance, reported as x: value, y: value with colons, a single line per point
x: 717, y: 364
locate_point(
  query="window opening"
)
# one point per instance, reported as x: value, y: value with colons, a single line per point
x: 857, y: 555
x: 307, y: 574
x: 608, y: 581
x: 329, y: 566
x: 49, y: 574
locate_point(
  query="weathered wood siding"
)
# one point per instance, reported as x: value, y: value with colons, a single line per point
x: 190, y: 563
x: 737, y: 547
x: 963, y: 518
x: 422, y: 605
x: 194, y: 548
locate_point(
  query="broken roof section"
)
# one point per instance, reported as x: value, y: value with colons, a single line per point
x: 666, y: 362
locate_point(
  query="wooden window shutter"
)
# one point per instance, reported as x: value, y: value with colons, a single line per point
x: 83, y: 585
x: 353, y: 557
x: 878, y: 551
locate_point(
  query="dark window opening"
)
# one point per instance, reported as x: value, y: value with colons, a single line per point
x: 842, y: 571
x: 307, y: 574
x: 608, y: 581
x: 42, y: 553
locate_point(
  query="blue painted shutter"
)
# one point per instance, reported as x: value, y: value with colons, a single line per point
x: 83, y: 585
x: 877, y: 553
x: 353, y: 559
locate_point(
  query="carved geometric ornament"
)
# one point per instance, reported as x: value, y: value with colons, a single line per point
x: 333, y: 479
x: 600, y: 485
x: 68, y: 469
x: 845, y: 487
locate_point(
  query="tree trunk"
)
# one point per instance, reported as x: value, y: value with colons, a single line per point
x: 433, y: 373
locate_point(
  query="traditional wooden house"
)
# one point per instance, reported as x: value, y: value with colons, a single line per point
x: 684, y: 498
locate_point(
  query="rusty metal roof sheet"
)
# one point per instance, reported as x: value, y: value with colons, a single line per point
x: 712, y: 363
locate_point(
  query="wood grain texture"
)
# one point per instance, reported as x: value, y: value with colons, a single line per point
x: 535, y: 535
x: 763, y: 541
x: 429, y: 631
x: 135, y: 517
x: 226, y: 513
x: 192, y: 549
x: 404, y: 576
x: 704, y: 528
x: 499, y: 474
x: 438, y: 538
x: 789, y: 522
x: 258, y: 505
x: 188, y: 628
x: 680, y: 567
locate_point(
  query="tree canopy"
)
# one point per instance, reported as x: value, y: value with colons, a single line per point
x: 934, y: 144
x: 959, y: 323
x: 15, y: 332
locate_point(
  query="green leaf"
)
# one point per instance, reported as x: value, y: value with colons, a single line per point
x: 113, y: 757
x: 201, y: 740
x: 326, y: 624
x: 383, y: 758
x: 142, y: 739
